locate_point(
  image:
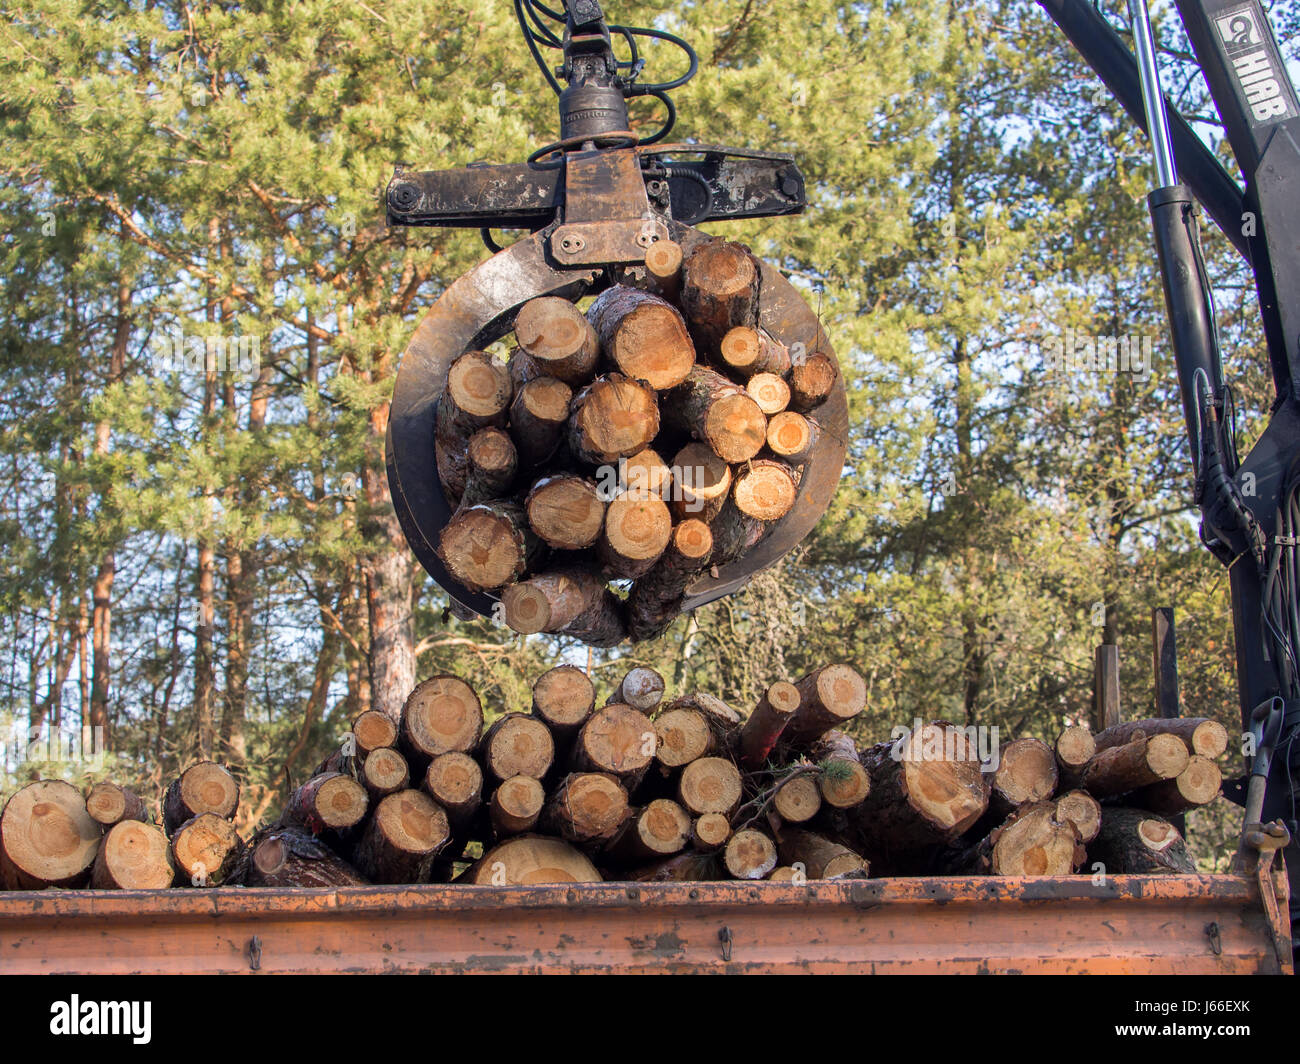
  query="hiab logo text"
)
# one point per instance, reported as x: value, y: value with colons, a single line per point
x: 77, y: 1017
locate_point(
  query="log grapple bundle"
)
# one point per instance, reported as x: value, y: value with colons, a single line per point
x: 699, y: 368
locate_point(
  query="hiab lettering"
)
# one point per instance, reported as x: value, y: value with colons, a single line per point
x: 79, y: 1017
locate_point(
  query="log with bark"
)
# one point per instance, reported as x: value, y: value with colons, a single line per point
x: 765, y: 489
x: 402, y: 839
x: 477, y: 396
x: 1135, y: 841
x: 792, y: 437
x: 710, y: 832
x: 205, y: 850
x: 532, y: 860
x: 109, y: 804
x: 701, y: 483
x: 133, y: 856
x: 618, y: 740
x: 442, y: 714
x: 655, y: 598
x: 489, y: 545
x: 328, y: 802
x: 749, y: 854
x: 843, y: 782
x: 797, y: 799
x: 517, y: 745
x: 515, y: 806
x: 566, y: 511
x: 47, y: 839
x: 828, y: 697
x: 1083, y: 811
x: 684, y: 736
x: 717, y: 412
x: 747, y: 351
x: 289, y: 857
x: 1198, y: 784
x: 660, y: 829
x: 384, y: 772
x: 455, y: 781
x: 1200, y: 735
x: 812, y: 379
x: 1026, y: 772
x: 204, y: 787
x: 1138, y: 763
x: 1036, y: 840
x: 663, y: 265
x: 710, y: 785
x: 567, y: 601
x: 734, y: 534
x: 539, y: 415
x: 820, y: 857
x: 564, y: 697
x: 762, y: 730
x: 373, y: 730
x: 770, y: 392
x: 491, y: 463
x: 1075, y: 747
x: 643, y: 335
x: 559, y: 339
x: 642, y: 688
x: 720, y: 286
x: 613, y: 417
x: 586, y: 808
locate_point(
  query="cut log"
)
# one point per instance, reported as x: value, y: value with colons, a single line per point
x: 442, y: 714
x: 285, y: 857
x: 701, y: 483
x: 765, y: 489
x: 642, y: 688
x: 720, y: 285
x: 1121, y: 769
x: 205, y: 787
x: 477, y: 396
x: 517, y: 745
x: 516, y: 805
x: 724, y: 720
x: 660, y: 830
x: 384, y: 772
x: 538, y: 416
x: 402, y: 839
x: 643, y: 335
x: 488, y: 545
x: 1075, y: 747
x: 329, y: 802
x: 566, y: 511
x: 709, y: 785
x: 47, y: 839
x: 455, y: 782
x: 1026, y: 772
x: 586, y: 808
x: 559, y: 338
x: 787, y: 874
x: 792, y: 436
x: 797, y: 800
x: 1035, y: 841
x: 927, y: 788
x: 616, y: 739
x: 532, y: 860
x: 746, y: 351
x: 133, y: 856
x: 844, y: 783
x: 572, y: 601
x: 717, y: 412
x: 819, y: 857
x: 564, y: 697
x: 645, y: 474
x: 812, y: 379
x: 828, y: 697
x: 1200, y: 735
x: 684, y: 736
x: 109, y: 804
x: 373, y: 730
x: 760, y: 732
x: 734, y: 533
x: 1133, y: 841
x: 654, y: 600
x: 613, y: 417
x: 491, y: 464
x: 710, y: 832
x: 749, y: 854
x: 1083, y: 811
x: 637, y: 530
x: 769, y: 391
x: 683, y: 868
x: 205, y: 851
x: 663, y: 267
x: 1198, y: 784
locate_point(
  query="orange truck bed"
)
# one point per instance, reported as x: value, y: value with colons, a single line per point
x: 1129, y: 924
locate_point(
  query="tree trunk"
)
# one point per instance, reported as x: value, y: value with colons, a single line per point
x: 719, y: 413
x: 389, y: 571
x: 47, y: 839
x: 205, y: 787
x: 109, y: 804
x: 720, y: 286
x: 402, y: 839
x: 133, y: 856
x: 556, y: 335
x: 821, y: 858
x: 566, y: 511
x: 644, y: 336
x: 1138, y: 763
x: 1202, y: 736
x: 442, y: 715
x: 284, y: 857
x: 613, y: 417
x: 517, y: 745
x: 564, y: 697
x: 586, y: 808
x: 763, y: 728
x: 1132, y: 841
x: 749, y: 854
x: 488, y: 545
x: 205, y: 851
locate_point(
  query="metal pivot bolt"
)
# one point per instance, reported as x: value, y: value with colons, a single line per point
x: 404, y: 196
x: 571, y: 242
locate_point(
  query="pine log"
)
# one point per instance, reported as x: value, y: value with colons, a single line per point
x: 663, y: 266
x: 559, y: 338
x: 47, y: 839
x: 724, y: 720
x: 710, y: 785
x: 532, y: 860
x: 284, y: 857
x: 787, y: 874
x: 746, y: 351
x: 488, y: 545
x: 384, y: 772
x: 792, y: 436
x: 734, y: 533
x: 765, y: 489
x: 109, y: 804
x: 345, y: 759
x: 643, y: 335
x: 517, y: 745
x: 843, y: 783
x: 204, y: 787
x: 616, y: 739
x: 570, y: 601
x: 749, y: 854
x: 586, y: 808
x: 205, y: 850
x: 133, y: 856
x: 331, y: 801
x: 538, y: 416
x: 402, y: 839
x: 455, y: 781
x: 515, y: 806
x: 656, y: 597
x: 1142, y: 761
x: 682, y: 868
x: 701, y: 483
x: 659, y: 830
x: 812, y: 379
x: 715, y: 411
x: 636, y: 533
x: 1198, y: 784
x: 828, y: 697
x: 1083, y: 811
x: 1034, y: 841
x: 613, y: 417
x: 819, y: 857
x: 491, y: 464
x: 373, y: 730
x: 684, y: 736
x: 477, y: 396
x: 797, y: 800
x: 763, y: 728
x: 642, y: 688
x: 710, y: 832
x: 442, y: 714
x: 1075, y: 747
x: 645, y: 473
x: 769, y: 391
x: 566, y: 511
x: 1200, y: 735
x: 720, y: 285
x: 1133, y: 841
x: 1026, y: 772
x: 564, y: 697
